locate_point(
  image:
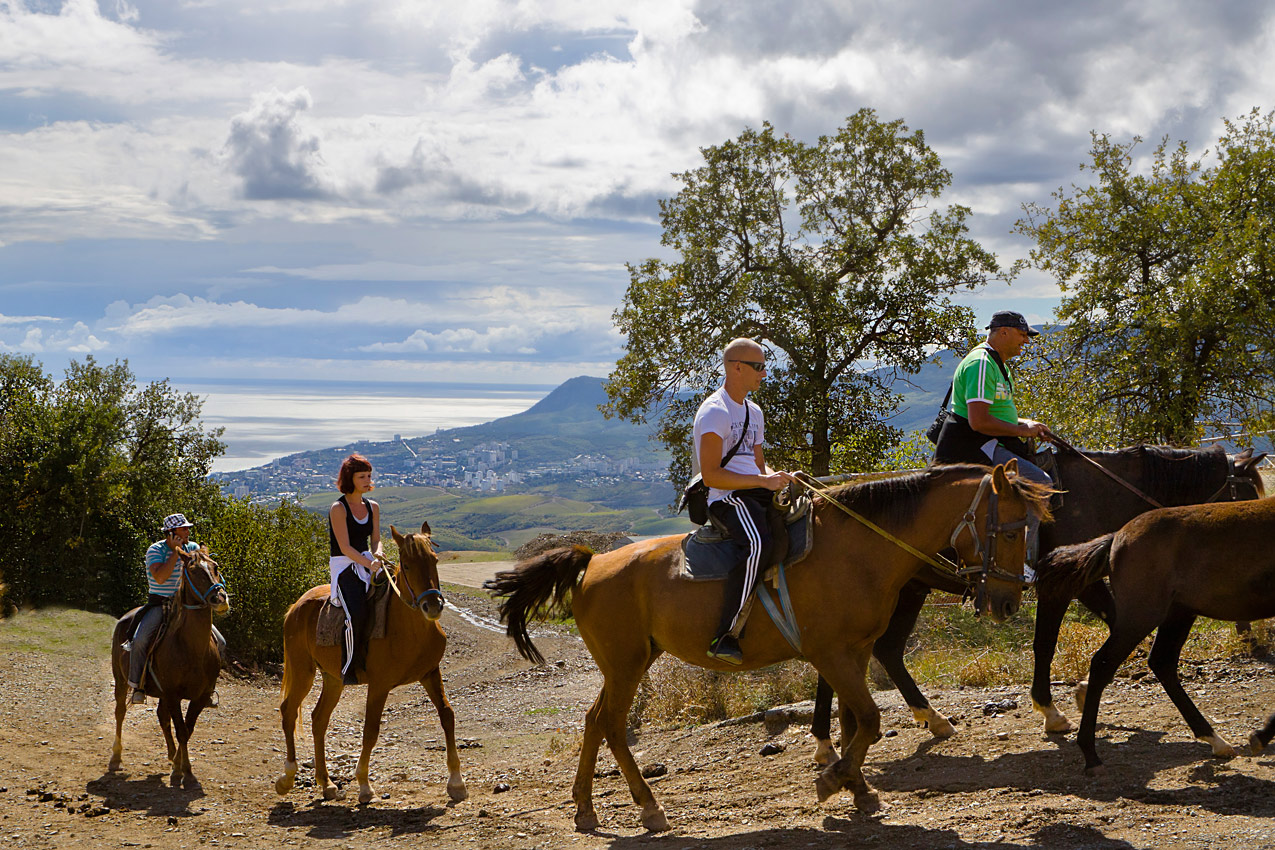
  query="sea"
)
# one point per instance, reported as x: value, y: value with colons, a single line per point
x: 267, y: 419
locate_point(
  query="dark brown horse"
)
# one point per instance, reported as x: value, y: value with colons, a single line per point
x: 1093, y: 504
x: 410, y: 652
x: 1166, y: 568
x: 185, y: 663
x: 633, y: 604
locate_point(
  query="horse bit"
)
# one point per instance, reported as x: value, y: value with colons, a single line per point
x: 986, y: 551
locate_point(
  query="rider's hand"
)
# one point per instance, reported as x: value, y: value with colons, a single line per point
x: 1035, y: 429
x: 775, y: 480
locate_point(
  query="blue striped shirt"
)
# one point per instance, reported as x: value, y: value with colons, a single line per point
x: 158, y: 553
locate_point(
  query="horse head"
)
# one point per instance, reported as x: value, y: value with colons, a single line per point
x: 993, y: 536
x: 1242, y: 476
x: 419, y: 571
x: 201, y: 582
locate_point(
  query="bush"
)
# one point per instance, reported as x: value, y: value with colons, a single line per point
x: 268, y: 559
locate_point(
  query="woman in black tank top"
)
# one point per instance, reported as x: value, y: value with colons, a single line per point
x: 354, y: 545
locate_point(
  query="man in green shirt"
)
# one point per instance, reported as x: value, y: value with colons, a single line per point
x: 983, y: 425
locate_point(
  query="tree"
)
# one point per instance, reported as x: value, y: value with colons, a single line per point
x: 1168, y: 305
x: 824, y: 254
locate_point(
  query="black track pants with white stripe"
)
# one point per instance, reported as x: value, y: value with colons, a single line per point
x: 743, y: 513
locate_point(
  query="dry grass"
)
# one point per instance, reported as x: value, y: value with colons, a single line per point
x: 673, y: 692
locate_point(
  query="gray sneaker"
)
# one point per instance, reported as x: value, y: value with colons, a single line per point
x: 139, y: 697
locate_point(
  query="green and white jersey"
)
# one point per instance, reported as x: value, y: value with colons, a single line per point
x: 978, y: 378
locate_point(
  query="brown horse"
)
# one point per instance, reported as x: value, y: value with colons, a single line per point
x: 1166, y: 568
x: 410, y: 652
x: 632, y: 604
x: 184, y: 665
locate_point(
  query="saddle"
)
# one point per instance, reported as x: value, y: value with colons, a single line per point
x: 330, y: 628
x: 710, y: 553
x: 134, y: 619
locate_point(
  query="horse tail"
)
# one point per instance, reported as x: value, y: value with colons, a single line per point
x: 536, y: 588
x: 1070, y: 569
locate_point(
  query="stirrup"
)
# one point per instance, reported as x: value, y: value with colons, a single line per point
x: 138, y: 697
x: 726, y: 648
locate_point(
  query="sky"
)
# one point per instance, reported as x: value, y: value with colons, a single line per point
x: 418, y: 191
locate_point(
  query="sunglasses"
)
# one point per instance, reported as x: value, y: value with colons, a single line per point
x: 758, y: 365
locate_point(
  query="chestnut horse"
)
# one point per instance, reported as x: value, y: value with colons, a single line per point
x: 185, y: 663
x: 632, y: 604
x: 410, y: 652
x: 1166, y: 568
x: 1094, y: 504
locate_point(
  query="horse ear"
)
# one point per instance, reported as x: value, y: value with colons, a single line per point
x: 1249, y: 462
x: 1011, y: 466
x: 1000, y: 481
x: 398, y: 538
x: 424, y: 527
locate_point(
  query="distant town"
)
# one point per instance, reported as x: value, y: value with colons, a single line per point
x: 438, y: 461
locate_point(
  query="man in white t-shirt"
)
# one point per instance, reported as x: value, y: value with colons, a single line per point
x: 740, y: 491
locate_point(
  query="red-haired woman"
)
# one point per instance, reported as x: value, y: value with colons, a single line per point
x: 354, y: 538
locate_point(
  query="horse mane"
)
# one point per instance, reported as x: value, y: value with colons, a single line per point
x: 893, y: 499
x: 1172, y: 476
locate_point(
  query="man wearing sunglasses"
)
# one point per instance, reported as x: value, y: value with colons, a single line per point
x: 741, y: 486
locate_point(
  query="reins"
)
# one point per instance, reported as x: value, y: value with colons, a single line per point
x: 1061, y: 443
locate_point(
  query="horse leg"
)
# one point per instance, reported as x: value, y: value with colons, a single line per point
x: 193, y: 710
x: 329, y: 696
x: 889, y: 650
x: 1259, y: 739
x: 298, y: 679
x: 1165, y: 652
x: 1120, y: 643
x: 372, y: 711
x: 179, y: 758
x: 586, y: 818
x: 619, y: 692
x: 1098, y: 599
x: 1050, y: 610
x: 433, y: 682
x: 821, y: 724
x: 860, y: 728
x: 121, y: 709
x: 163, y: 714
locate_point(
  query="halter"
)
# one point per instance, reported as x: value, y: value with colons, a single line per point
x: 418, y: 599
x: 204, y: 602
x: 983, y: 548
x: 1232, y: 480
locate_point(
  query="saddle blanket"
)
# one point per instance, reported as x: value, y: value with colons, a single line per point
x: 330, y: 628
x: 709, y: 555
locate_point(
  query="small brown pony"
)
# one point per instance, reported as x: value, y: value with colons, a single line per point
x: 632, y: 604
x: 184, y: 665
x: 410, y: 652
x: 1168, y: 567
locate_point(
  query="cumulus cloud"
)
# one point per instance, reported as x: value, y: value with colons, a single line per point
x: 76, y: 340
x: 272, y: 154
x: 504, y: 340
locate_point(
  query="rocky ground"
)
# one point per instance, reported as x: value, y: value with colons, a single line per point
x: 1000, y: 782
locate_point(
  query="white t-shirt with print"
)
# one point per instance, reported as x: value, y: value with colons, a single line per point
x: 721, y: 415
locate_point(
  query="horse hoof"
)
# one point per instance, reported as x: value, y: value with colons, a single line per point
x: 1221, y: 748
x: 457, y: 792
x: 825, y: 753
x: 586, y: 822
x: 365, y: 795
x: 941, y: 728
x: 175, y: 780
x: 1096, y: 770
x: 283, y: 785
x: 656, y: 821
x: 825, y: 786
x: 331, y: 792
x: 868, y: 802
x: 1255, y: 744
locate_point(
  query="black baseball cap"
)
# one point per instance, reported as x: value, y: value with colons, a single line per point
x: 1011, y: 319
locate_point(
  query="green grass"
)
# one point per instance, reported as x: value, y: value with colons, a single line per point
x: 57, y: 631
x: 548, y: 710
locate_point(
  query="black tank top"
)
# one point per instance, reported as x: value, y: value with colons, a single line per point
x: 358, y: 533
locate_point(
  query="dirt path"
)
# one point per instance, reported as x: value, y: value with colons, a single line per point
x: 999, y: 783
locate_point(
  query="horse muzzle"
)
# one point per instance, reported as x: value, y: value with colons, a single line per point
x: 431, y: 604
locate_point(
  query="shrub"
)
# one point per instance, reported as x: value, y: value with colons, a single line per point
x: 268, y: 559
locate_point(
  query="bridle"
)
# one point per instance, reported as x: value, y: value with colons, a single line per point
x: 417, y: 600
x: 202, y: 596
x: 983, y: 548
x: 1232, y: 481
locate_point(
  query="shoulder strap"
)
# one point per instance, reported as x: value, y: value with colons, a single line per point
x: 1001, y: 365
x: 735, y: 448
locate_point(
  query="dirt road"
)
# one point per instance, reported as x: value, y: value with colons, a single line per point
x: 999, y: 783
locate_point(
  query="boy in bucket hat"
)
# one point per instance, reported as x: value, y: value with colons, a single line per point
x: 982, y: 424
